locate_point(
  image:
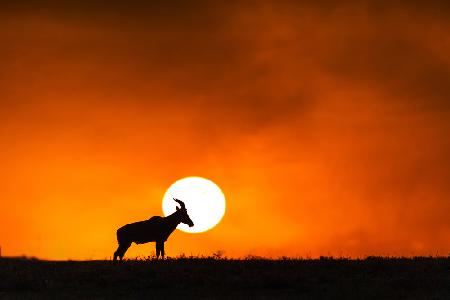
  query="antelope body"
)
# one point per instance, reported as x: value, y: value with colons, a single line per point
x: 156, y: 229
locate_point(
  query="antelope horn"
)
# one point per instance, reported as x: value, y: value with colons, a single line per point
x: 180, y: 202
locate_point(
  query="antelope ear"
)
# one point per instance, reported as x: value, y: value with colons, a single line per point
x: 177, y: 208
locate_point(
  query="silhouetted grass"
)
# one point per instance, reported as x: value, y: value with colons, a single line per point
x: 219, y: 277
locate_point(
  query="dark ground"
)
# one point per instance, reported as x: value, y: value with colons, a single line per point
x: 326, y: 278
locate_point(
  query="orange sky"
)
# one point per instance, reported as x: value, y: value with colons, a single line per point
x: 327, y: 126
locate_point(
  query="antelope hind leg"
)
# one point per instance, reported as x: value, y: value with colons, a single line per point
x: 120, y: 252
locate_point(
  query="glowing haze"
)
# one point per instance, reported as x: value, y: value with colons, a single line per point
x: 326, y: 126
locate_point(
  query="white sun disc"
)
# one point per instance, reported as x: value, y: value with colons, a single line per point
x: 204, y: 200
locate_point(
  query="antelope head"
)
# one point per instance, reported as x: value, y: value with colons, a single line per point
x: 184, y: 215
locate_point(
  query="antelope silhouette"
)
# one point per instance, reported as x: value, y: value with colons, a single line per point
x: 156, y: 229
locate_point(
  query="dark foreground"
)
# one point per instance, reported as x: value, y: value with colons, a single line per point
x: 372, y: 278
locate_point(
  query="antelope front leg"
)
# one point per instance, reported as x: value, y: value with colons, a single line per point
x: 162, y: 250
x: 159, y: 249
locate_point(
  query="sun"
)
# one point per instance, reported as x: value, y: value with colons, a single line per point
x: 204, y: 200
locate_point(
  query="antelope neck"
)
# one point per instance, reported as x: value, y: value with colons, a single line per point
x: 174, y: 218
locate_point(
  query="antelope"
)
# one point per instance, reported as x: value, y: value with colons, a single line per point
x: 156, y: 229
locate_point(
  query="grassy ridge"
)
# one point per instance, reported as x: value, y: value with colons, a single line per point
x: 371, y: 278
